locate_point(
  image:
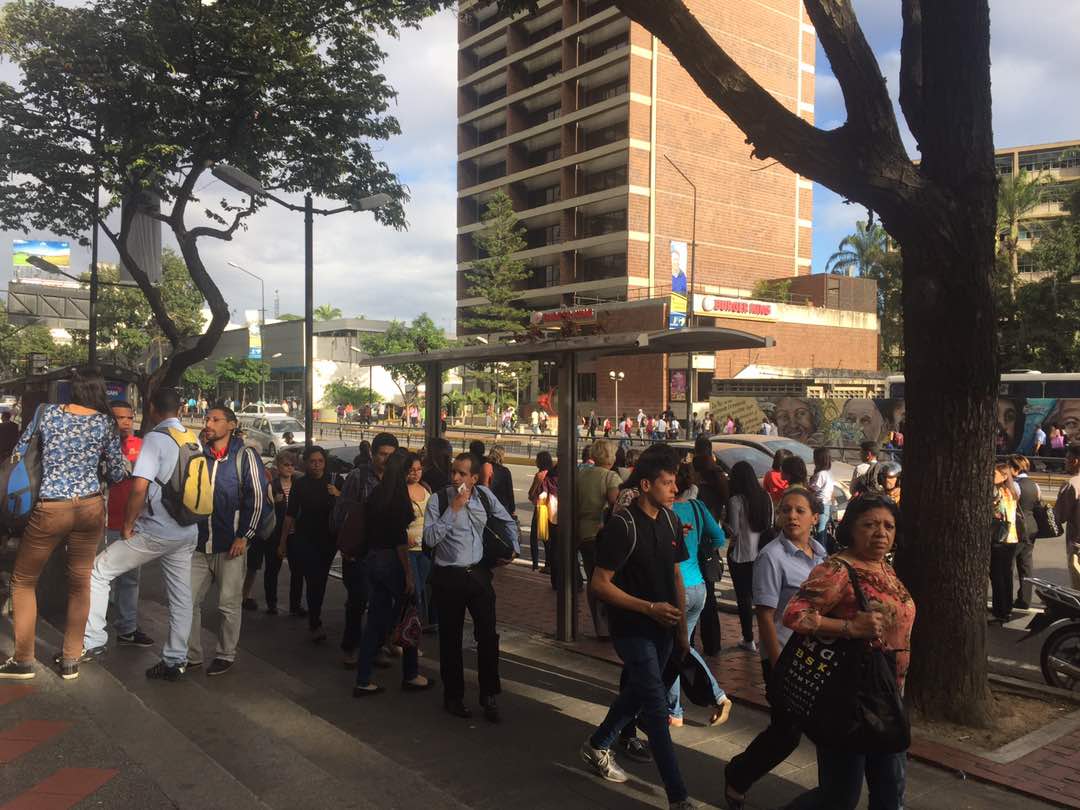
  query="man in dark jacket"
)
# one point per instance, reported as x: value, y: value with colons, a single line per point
x: 239, y: 499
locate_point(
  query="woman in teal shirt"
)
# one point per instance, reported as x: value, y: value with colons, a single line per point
x: 704, y: 530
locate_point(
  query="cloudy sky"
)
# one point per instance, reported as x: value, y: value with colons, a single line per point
x: 364, y: 268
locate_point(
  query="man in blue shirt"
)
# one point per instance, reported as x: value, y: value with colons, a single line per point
x: 461, y: 583
x: 149, y: 532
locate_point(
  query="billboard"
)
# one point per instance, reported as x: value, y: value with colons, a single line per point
x: 59, y: 253
x: 254, y: 329
x: 677, y: 309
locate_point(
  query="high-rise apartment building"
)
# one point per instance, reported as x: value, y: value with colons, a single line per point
x: 581, y: 116
x: 1058, y: 166
x: 600, y: 138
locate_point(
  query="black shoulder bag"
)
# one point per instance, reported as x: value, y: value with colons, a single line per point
x: 842, y: 692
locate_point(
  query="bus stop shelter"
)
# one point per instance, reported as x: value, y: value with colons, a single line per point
x: 567, y: 353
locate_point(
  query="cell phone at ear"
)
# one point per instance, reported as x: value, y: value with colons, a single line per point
x: 462, y: 489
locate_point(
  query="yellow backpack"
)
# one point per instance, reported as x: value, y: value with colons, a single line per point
x: 188, y: 494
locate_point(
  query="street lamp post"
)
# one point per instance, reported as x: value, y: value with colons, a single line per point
x: 616, y: 377
x: 262, y: 291
x: 244, y: 182
x: 690, y: 295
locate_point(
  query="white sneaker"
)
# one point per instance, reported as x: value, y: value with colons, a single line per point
x: 749, y: 646
x: 685, y: 804
x: 603, y: 762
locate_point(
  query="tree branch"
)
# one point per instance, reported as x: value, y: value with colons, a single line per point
x: 225, y: 233
x: 911, y: 67
x: 855, y: 67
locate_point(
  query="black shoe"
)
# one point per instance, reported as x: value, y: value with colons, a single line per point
x: 271, y: 610
x: 1020, y: 604
x: 86, y: 656
x: 249, y: 604
x: 190, y: 665
x: 491, y: 709
x: 317, y: 634
x: 457, y: 708
x: 219, y: 666
x: 165, y: 672
x: 634, y: 748
x: 137, y: 638
x: 69, y: 670
x: 297, y: 611
x: 16, y: 671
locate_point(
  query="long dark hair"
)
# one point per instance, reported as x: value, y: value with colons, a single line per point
x: 88, y: 391
x: 390, y: 499
x: 758, y: 503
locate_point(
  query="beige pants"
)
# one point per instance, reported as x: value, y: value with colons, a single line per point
x: 227, y: 574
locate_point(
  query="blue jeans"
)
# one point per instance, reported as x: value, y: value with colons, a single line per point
x: 421, y: 567
x: 125, y: 593
x: 386, y: 579
x: 840, y: 778
x: 643, y: 696
x: 695, y: 601
x: 823, y: 523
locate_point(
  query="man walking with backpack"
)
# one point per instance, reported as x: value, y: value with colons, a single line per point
x: 637, y: 574
x: 158, y: 524
x: 239, y: 488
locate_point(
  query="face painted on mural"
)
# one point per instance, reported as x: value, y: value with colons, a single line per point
x: 794, y: 418
x: 864, y: 419
x: 1068, y: 417
x: 1007, y: 412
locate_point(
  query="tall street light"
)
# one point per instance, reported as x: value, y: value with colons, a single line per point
x: 616, y: 377
x: 690, y: 375
x: 262, y: 292
x: 242, y: 181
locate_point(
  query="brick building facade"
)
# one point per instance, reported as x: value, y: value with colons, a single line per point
x: 586, y: 121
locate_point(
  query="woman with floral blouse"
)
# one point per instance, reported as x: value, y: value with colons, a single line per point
x: 826, y: 605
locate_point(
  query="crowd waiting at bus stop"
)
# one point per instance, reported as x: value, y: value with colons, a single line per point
x: 422, y: 538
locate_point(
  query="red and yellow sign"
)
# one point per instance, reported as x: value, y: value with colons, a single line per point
x: 715, y: 306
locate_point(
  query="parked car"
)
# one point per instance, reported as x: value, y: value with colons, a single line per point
x: 256, y: 408
x: 770, y: 444
x: 267, y: 432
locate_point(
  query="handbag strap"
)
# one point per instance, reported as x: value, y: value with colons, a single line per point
x: 860, y: 597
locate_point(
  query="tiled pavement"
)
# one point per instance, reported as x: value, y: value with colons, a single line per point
x: 1051, y: 772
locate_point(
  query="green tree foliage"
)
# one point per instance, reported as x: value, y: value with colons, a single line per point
x: 778, y: 289
x: 17, y: 343
x: 858, y: 252
x: 243, y: 371
x: 496, y: 276
x: 149, y: 95
x: 326, y: 312
x: 199, y: 381
x: 288, y: 316
x: 341, y: 392
x: 422, y: 335
x: 1018, y: 195
x: 888, y: 273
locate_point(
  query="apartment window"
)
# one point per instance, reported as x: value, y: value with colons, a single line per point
x: 491, y: 96
x: 603, y: 267
x: 489, y: 135
x: 542, y: 277
x: 546, y: 114
x: 1044, y: 159
x: 606, y: 47
x: 492, y: 172
x: 600, y: 181
x: 586, y: 387
x: 551, y: 235
x: 604, y: 92
x: 545, y: 32
x: 1003, y: 164
x: 545, y: 196
x: 542, y: 156
x: 605, y: 223
x: 543, y: 74
x: 1026, y: 262
x: 602, y: 137
x: 491, y: 58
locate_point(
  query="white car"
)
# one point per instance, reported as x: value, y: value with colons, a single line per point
x: 267, y: 432
x: 255, y: 408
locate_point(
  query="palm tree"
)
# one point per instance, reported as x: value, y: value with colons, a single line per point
x: 325, y: 312
x: 1018, y: 195
x: 859, y: 251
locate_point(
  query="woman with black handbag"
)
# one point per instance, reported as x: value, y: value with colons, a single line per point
x: 1004, y: 543
x: 832, y: 606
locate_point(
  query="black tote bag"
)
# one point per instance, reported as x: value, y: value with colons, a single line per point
x: 842, y: 691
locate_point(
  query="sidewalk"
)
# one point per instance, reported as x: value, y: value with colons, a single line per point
x: 1050, y: 771
x: 281, y: 730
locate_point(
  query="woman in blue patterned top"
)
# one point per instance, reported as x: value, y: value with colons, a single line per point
x: 75, y: 439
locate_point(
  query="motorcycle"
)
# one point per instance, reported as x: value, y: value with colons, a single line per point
x: 1060, y: 655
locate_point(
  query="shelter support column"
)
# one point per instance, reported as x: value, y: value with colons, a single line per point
x: 566, y: 601
x: 432, y: 401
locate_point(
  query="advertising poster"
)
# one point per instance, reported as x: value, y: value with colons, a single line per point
x: 676, y: 385
x: 58, y: 253
x: 254, y: 334
x: 677, y: 309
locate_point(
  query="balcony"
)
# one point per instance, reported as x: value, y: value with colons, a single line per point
x: 545, y: 196
x: 543, y: 115
x: 601, y: 181
x: 543, y: 156
x: 606, y: 135
x: 492, y: 172
x: 621, y: 40
x: 489, y: 135
x: 542, y: 75
x: 545, y: 32
x: 592, y: 9
x: 542, y: 277
x: 491, y: 96
x: 603, y: 267
x: 603, y: 93
x: 544, y: 237
x: 602, y: 224
x: 490, y: 59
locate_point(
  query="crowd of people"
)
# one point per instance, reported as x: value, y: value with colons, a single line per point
x: 421, y: 537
